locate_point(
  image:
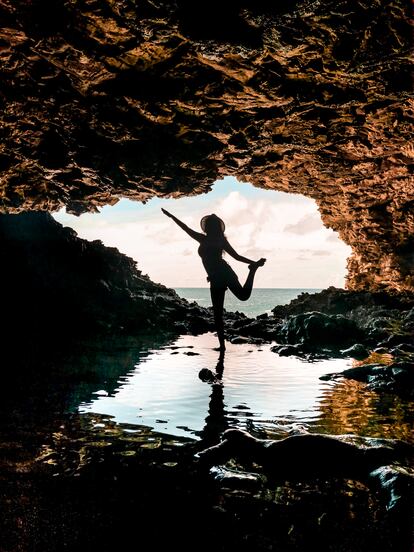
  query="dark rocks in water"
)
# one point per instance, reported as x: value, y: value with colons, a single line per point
x: 402, y: 348
x: 231, y: 478
x: 56, y: 285
x: 308, y: 455
x: 380, y: 350
x: 206, y: 375
x: 264, y: 328
x: 397, y: 484
x: 319, y: 457
x: 357, y: 351
x: 241, y: 339
x: 360, y: 321
x: 397, y: 377
x: 318, y: 329
x: 287, y: 350
x: 340, y: 301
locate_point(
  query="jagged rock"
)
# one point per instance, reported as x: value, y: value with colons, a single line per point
x: 263, y: 329
x: 307, y: 455
x: 397, y: 377
x: 287, y: 350
x: 206, y: 375
x: 397, y: 484
x: 58, y: 285
x: 357, y: 351
x: 237, y: 479
x: 315, y: 329
x: 102, y: 100
x: 355, y: 304
x: 378, y: 319
x: 239, y: 339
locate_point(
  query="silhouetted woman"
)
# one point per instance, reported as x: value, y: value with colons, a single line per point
x: 220, y: 274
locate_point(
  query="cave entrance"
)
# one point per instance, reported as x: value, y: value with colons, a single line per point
x: 286, y: 229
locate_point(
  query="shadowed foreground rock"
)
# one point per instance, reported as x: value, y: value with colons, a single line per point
x: 91, y: 486
x: 310, y: 456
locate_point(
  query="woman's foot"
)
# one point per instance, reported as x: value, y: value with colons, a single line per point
x: 255, y: 265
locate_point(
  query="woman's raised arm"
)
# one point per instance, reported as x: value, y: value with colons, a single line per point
x: 195, y: 235
x: 228, y: 248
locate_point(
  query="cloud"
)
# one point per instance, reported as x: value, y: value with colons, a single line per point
x: 321, y: 253
x: 310, y: 222
x: 333, y: 237
x: 284, y: 228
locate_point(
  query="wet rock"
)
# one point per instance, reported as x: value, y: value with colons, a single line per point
x: 381, y: 350
x: 308, y: 455
x: 264, y: 328
x: 357, y: 351
x: 402, y: 349
x: 397, y: 485
x: 316, y: 329
x: 242, y: 339
x: 239, y: 339
x: 198, y: 324
x: 236, y: 479
x: 207, y: 376
x: 288, y: 350
x: 395, y: 378
x: 356, y: 304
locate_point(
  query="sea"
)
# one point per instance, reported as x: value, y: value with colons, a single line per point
x: 262, y: 300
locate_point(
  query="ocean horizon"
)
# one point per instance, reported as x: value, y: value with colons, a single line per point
x: 262, y: 300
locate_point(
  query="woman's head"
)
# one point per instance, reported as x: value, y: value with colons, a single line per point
x: 212, y: 225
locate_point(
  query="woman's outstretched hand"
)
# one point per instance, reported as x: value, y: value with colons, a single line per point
x: 166, y: 212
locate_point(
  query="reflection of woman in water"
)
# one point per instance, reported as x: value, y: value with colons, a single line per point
x: 220, y: 274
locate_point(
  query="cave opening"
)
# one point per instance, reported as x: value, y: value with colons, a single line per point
x: 302, y: 254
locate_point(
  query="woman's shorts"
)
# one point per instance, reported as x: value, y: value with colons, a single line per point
x: 222, y: 276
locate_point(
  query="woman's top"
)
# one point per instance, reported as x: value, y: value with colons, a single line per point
x: 211, y: 251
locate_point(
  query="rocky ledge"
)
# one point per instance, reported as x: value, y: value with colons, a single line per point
x: 101, y: 100
x: 56, y: 286
x: 375, y: 329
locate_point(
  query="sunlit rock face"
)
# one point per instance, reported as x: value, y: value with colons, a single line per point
x: 121, y: 98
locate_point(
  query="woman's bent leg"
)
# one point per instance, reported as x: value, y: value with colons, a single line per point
x: 217, y: 299
x: 243, y: 292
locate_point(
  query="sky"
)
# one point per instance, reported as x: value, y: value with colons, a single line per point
x: 286, y: 229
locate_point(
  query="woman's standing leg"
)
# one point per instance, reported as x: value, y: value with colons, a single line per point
x: 217, y: 299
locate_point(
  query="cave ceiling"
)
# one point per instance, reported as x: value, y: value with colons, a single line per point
x: 106, y: 99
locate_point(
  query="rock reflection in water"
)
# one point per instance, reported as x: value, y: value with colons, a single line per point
x: 348, y: 407
x: 257, y: 390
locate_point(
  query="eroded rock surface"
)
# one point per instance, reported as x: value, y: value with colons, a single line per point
x: 107, y: 99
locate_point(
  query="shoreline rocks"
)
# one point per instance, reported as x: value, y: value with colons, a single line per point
x: 57, y: 286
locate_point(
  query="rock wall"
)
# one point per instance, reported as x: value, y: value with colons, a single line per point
x: 101, y: 100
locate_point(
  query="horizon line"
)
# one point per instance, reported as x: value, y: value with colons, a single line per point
x: 201, y: 287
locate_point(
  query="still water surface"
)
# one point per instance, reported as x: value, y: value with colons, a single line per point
x: 259, y: 390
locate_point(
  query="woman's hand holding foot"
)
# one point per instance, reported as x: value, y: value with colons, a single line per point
x: 256, y: 264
